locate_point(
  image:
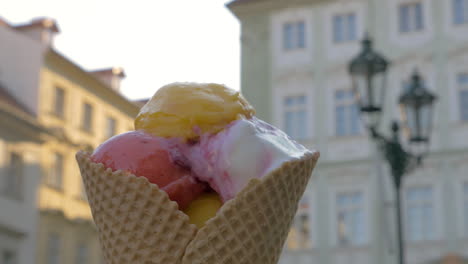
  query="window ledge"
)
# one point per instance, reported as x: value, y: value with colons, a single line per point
x: 362, y: 247
x: 57, y: 116
x: 304, y: 141
x: 345, y: 43
x: 293, y: 51
x: 89, y: 133
x: 311, y: 250
x: 412, y: 33
x: 425, y: 243
x: 81, y: 198
x: 360, y: 136
x: 53, y: 187
x: 463, y: 25
x: 460, y: 123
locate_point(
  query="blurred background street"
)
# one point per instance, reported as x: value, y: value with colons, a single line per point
x: 75, y: 74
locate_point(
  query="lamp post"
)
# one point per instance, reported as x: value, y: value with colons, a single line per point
x: 368, y: 72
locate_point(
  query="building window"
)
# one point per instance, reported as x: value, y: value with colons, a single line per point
x: 87, y: 121
x: 344, y: 28
x: 14, y: 177
x: 294, y: 35
x: 300, y: 234
x: 59, y: 102
x: 53, y: 249
x: 462, y: 84
x: 350, y: 218
x: 460, y: 12
x: 81, y: 254
x: 55, y: 178
x: 465, y: 206
x: 110, y: 127
x: 347, y: 120
x: 420, y: 213
x: 8, y: 257
x: 411, y: 18
x: 295, y: 117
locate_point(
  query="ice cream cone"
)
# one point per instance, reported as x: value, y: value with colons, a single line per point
x: 137, y: 223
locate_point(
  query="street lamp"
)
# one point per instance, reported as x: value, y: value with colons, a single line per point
x: 368, y: 72
x: 417, y: 108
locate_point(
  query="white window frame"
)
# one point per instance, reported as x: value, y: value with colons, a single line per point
x: 414, y: 38
x: 412, y: 26
x: 293, y: 86
x: 349, y: 188
x: 457, y: 64
x: 297, y: 38
x: 345, y: 26
x: 456, y: 31
x: 406, y: 209
x: 465, y: 13
x: 291, y: 58
x: 295, y: 109
x: 343, y: 51
x: 348, y: 103
x: 423, y: 178
x: 458, y: 90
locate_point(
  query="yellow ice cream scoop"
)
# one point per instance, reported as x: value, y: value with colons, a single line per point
x: 187, y: 110
x: 203, y: 208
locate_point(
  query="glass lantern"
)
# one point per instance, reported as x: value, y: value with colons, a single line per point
x: 368, y: 73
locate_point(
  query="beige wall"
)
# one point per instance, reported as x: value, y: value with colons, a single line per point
x: 75, y: 97
x: 65, y: 211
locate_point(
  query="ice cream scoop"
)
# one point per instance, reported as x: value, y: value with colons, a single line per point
x: 246, y: 149
x: 186, y: 110
x: 155, y: 158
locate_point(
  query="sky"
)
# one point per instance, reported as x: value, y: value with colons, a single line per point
x: 156, y: 42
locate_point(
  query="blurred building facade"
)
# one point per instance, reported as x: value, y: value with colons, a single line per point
x: 80, y: 109
x: 20, y: 139
x: 294, y: 57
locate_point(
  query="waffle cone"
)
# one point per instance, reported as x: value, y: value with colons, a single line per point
x: 137, y: 223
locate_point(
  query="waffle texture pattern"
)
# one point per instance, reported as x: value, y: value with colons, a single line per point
x: 137, y: 223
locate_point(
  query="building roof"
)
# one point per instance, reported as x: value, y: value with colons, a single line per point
x: 141, y: 102
x: 39, y: 22
x: 59, y: 62
x: 117, y: 71
x: 3, y: 22
x: 240, y: 2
